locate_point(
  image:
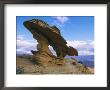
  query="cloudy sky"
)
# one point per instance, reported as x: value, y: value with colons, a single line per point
x: 78, y: 31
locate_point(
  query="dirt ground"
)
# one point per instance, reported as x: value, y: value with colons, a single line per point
x: 26, y: 66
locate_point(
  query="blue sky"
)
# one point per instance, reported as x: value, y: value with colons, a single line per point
x: 77, y: 30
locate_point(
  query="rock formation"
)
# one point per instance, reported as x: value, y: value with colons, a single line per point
x: 48, y: 35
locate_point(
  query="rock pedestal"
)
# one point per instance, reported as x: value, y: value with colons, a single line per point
x: 44, y: 56
x: 48, y: 35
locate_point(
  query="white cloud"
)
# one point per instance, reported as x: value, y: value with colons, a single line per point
x: 62, y: 19
x: 23, y: 51
x: 24, y: 46
x: 86, y: 52
x: 58, y: 24
x: 83, y: 47
x: 20, y: 37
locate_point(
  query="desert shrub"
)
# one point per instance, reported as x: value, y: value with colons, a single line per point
x: 84, y: 70
x: 34, y: 61
x: 73, y: 63
x: 80, y: 62
x: 19, y: 70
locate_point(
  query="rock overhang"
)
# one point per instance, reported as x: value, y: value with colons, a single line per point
x: 52, y: 34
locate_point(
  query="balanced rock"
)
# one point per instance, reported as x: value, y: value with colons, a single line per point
x: 48, y: 35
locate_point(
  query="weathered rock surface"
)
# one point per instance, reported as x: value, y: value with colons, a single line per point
x: 48, y: 35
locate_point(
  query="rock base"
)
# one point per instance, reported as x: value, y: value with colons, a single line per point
x: 44, y: 59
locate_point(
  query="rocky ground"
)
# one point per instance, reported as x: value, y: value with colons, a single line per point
x: 71, y: 66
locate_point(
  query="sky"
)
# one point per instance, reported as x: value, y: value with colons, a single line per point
x: 78, y: 31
